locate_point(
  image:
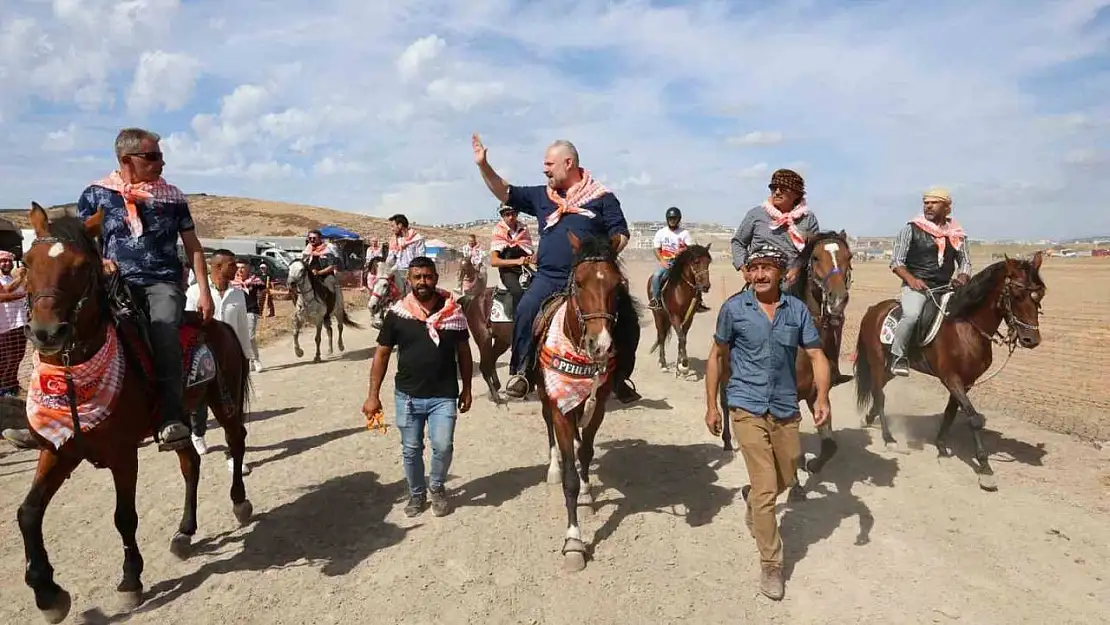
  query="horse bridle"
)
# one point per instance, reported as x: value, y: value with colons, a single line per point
x: 697, y: 283
x: 822, y: 285
x: 70, y: 319
x: 583, y: 318
x: 1005, y: 299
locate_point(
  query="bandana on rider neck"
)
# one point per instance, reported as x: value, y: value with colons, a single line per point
x: 950, y: 231
x: 780, y: 219
x: 504, y: 238
x: 319, y: 249
x: 396, y: 244
x: 581, y: 193
x: 157, y: 191
x: 450, y: 317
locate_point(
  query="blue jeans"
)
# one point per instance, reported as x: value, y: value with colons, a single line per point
x: 438, y: 414
x: 542, y: 287
x: 657, y: 282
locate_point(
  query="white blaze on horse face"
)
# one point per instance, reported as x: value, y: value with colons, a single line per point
x: 56, y: 250
x: 832, y: 249
x: 604, y: 341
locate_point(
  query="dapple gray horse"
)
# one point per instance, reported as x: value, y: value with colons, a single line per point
x: 311, y: 297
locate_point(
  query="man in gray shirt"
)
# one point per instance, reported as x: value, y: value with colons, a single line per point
x: 783, y: 221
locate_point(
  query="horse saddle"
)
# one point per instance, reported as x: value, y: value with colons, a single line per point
x: 928, y: 325
x: 547, y: 311
x: 501, y: 306
x: 133, y: 327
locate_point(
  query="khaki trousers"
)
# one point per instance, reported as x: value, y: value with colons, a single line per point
x: 771, y: 448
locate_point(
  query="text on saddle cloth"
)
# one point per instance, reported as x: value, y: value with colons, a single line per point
x: 932, y: 317
x: 568, y: 374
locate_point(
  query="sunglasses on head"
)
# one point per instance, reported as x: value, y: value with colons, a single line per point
x: 153, y: 157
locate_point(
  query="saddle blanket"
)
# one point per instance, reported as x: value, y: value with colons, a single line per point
x: 568, y: 373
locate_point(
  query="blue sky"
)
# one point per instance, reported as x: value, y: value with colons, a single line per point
x: 369, y: 106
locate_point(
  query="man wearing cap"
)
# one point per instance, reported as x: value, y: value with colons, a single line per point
x: 759, y: 331
x: 928, y: 251
x: 783, y: 221
x: 511, y: 250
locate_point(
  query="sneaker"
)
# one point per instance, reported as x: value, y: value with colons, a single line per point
x: 899, y: 367
x: 173, y: 436
x: 440, y: 505
x: 415, y: 506
x: 516, y: 387
x: 199, y: 444
x: 771, y: 583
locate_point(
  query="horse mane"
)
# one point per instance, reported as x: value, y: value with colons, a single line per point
x: 798, y: 289
x: 970, y: 297
x: 599, y: 249
x: 688, y: 255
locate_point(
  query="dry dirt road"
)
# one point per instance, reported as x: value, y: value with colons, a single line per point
x: 883, y: 538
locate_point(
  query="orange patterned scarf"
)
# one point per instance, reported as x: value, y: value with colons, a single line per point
x: 780, y: 219
x: 567, y: 373
x: 503, y: 238
x: 396, y: 244
x: 450, y: 317
x: 158, y: 191
x: 97, y: 382
x: 951, y: 231
x: 585, y: 191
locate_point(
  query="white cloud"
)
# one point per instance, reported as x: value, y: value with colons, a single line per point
x: 62, y: 140
x: 757, y: 137
x: 419, y: 54
x: 163, y: 79
x: 365, y: 106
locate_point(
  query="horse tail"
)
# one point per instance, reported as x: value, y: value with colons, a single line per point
x: 661, y: 339
x: 864, y: 396
x: 350, y: 323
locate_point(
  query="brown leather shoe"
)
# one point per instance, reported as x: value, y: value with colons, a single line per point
x: 771, y: 584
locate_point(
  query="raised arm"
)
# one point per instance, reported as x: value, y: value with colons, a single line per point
x: 496, y: 184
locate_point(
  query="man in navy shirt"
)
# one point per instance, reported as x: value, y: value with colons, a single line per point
x: 759, y: 331
x: 143, y: 218
x: 585, y: 208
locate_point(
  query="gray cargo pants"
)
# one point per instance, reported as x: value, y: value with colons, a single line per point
x: 164, y: 305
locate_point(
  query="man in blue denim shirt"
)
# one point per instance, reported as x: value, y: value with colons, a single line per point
x: 429, y: 330
x: 759, y: 331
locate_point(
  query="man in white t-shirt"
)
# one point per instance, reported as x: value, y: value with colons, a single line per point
x: 230, y: 306
x: 669, y: 241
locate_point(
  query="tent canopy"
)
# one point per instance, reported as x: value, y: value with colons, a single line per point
x: 335, y: 232
x: 435, y: 243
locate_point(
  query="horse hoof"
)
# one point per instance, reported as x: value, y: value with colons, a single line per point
x: 299, y: 352
x: 130, y: 599
x: 554, y: 477
x: 864, y: 423
x: 574, y: 555
x: 796, y: 494
x: 317, y: 359
x: 58, y: 613
x: 895, y: 448
x: 243, y: 511
x: 181, y: 545
x: 988, y: 483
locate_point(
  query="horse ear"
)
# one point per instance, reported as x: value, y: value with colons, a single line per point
x: 40, y: 222
x: 1037, y: 259
x: 843, y: 234
x: 574, y: 242
x: 708, y: 245
x: 92, y: 224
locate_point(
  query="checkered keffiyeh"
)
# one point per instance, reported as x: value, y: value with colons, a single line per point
x: 583, y: 192
x: 768, y: 253
x: 157, y: 191
x: 569, y: 392
x: 97, y: 382
x: 450, y: 317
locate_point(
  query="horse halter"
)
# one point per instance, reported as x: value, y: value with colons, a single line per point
x: 1006, y: 301
x: 584, y: 317
x: 698, y: 284
x: 822, y: 285
x: 70, y: 318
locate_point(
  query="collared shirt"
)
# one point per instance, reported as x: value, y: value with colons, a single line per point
x: 151, y: 257
x: 762, y: 352
x: 230, y: 308
x: 757, y: 229
x: 556, y: 257
x: 402, y: 259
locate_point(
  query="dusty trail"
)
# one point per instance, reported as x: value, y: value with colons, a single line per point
x: 884, y: 537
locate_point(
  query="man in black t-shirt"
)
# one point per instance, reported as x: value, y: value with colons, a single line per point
x: 429, y: 330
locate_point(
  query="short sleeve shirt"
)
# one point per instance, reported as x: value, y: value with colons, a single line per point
x: 424, y: 369
x: 151, y: 257
x: 670, y: 243
x: 762, y: 352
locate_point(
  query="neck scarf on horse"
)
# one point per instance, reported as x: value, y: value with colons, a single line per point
x: 567, y: 373
x: 158, y: 191
x: 503, y: 238
x: 396, y: 244
x: 581, y: 193
x: 97, y: 383
x: 450, y: 317
x: 950, y: 231
x: 780, y: 219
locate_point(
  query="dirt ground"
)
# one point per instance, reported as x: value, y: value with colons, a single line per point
x: 883, y: 538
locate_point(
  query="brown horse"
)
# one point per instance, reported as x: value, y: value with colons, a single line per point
x: 71, y: 322
x: 1009, y: 291
x: 686, y: 281
x: 823, y: 283
x: 493, y: 338
x: 575, y: 337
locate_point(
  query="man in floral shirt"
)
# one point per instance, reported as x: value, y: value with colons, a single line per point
x: 143, y: 218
